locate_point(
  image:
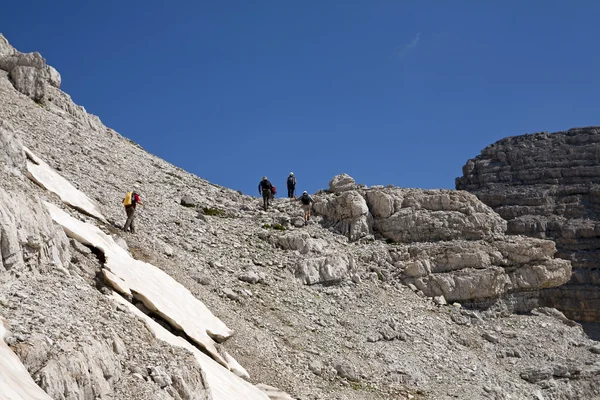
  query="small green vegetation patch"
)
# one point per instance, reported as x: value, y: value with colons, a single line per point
x: 278, y: 227
x: 213, y: 212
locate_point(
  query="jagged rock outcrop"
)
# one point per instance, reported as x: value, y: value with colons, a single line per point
x: 28, y: 238
x: 31, y: 76
x: 448, y: 243
x: 548, y: 186
x: 28, y: 72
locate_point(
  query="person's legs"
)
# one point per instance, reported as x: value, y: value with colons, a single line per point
x: 290, y: 192
x: 266, y: 196
x: 130, y: 216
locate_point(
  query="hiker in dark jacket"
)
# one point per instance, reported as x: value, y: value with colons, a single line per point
x: 306, y: 203
x: 291, y: 185
x: 131, y: 200
x: 264, y: 188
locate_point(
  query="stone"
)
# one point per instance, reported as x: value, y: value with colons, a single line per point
x: 203, y: 279
x: 490, y: 337
x: 328, y: 269
x: 12, y: 156
x: 168, y: 250
x: 187, y: 201
x: 80, y: 248
x: 341, y: 183
x: 273, y: 392
x: 230, y: 294
x: 30, y: 81
x: 316, y: 367
x: 346, y: 371
x: 250, y: 277
x: 536, y: 374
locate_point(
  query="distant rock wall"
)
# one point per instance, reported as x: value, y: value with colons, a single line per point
x: 446, y: 243
x: 548, y: 186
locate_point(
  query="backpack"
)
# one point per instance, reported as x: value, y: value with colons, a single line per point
x: 128, y: 200
x: 291, y: 182
x: 266, y: 185
x: 273, y: 190
x: 305, y: 199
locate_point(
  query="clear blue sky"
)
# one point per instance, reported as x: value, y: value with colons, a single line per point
x: 391, y: 92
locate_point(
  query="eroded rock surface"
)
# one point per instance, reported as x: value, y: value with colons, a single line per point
x: 548, y: 186
x: 447, y: 243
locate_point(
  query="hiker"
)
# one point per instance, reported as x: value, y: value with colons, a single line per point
x: 264, y: 188
x: 306, y: 204
x: 131, y: 200
x: 291, y: 185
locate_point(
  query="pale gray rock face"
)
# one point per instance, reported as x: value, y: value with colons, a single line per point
x: 5, y: 48
x: 28, y: 237
x: 28, y: 72
x: 548, y: 186
x: 342, y: 183
x: 455, y: 245
x: 325, y: 270
x: 347, y: 213
x: 12, y: 157
x: 30, y: 81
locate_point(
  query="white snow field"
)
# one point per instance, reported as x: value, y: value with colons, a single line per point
x: 15, y: 381
x: 223, y: 384
x: 157, y: 290
x: 42, y: 174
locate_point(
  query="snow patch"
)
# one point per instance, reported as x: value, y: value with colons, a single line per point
x: 15, y: 381
x: 154, y: 288
x: 42, y: 174
x: 222, y: 383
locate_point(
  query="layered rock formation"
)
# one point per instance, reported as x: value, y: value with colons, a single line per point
x: 447, y: 243
x: 548, y: 186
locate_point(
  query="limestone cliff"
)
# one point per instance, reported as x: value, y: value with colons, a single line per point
x: 548, y: 186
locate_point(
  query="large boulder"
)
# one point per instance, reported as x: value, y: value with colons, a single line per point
x: 347, y: 213
x: 342, y: 183
x: 325, y: 270
x: 413, y: 215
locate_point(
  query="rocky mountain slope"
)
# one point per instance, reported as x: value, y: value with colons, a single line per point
x: 548, y: 186
x: 369, y: 301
